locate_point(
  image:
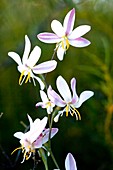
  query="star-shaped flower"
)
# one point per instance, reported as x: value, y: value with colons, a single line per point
x: 68, y: 100
x: 27, y: 66
x: 64, y: 35
x: 46, y: 101
x: 35, y: 137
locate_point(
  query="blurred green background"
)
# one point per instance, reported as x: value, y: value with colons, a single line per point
x: 89, y: 140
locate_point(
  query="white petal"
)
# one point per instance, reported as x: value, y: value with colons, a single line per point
x: 30, y: 121
x: 15, y: 57
x: 26, y: 50
x: 57, y: 28
x: 19, y: 135
x: 60, y: 53
x: 37, y: 129
x: 83, y: 97
x: 48, y: 37
x: 70, y: 163
x: 79, y: 31
x: 34, y: 56
x: 63, y: 89
x: 43, y: 96
x: 42, y: 85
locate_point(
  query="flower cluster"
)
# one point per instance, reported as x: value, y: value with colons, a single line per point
x: 56, y: 104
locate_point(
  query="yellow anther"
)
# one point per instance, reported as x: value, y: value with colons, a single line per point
x: 22, y: 74
x: 48, y: 104
x: 28, y: 77
x: 65, y: 40
x: 67, y: 109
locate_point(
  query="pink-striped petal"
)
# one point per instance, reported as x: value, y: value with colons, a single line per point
x: 73, y: 88
x: 45, y: 67
x: 70, y: 163
x: 79, y: 31
x: 56, y: 99
x: 48, y: 37
x: 57, y: 28
x: 79, y: 42
x: 69, y: 22
x: 83, y: 97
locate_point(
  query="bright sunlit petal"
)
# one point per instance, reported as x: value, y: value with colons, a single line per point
x: 57, y: 28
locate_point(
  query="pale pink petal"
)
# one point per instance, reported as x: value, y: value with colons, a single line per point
x: 73, y: 88
x: 79, y: 42
x: 60, y: 53
x: 18, y: 135
x: 57, y: 28
x: 40, y: 104
x: 83, y: 97
x: 48, y: 37
x: 15, y: 57
x: 70, y: 163
x: 56, y: 99
x: 79, y: 31
x: 63, y: 89
x: 26, y: 50
x: 43, y: 96
x: 45, y: 67
x: 34, y: 57
x: 69, y: 22
x: 46, y: 134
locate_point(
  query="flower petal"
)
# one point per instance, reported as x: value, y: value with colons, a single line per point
x: 30, y: 121
x: 43, y: 96
x: 26, y: 50
x: 69, y: 21
x: 79, y: 42
x: 48, y: 37
x: 60, y: 53
x: 83, y: 97
x: 34, y: 56
x: 37, y: 129
x: 73, y: 88
x: 18, y: 135
x: 15, y: 57
x: 57, y: 28
x: 79, y: 31
x: 46, y: 134
x: 70, y: 163
x: 45, y: 67
x: 42, y: 85
x: 56, y: 99
x: 63, y: 89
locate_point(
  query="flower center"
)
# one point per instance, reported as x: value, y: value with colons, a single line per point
x: 48, y: 104
x: 27, y: 152
x: 65, y: 43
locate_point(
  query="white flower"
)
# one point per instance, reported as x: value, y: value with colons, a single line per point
x: 69, y: 101
x: 46, y: 101
x: 35, y: 137
x: 27, y: 66
x: 64, y: 35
